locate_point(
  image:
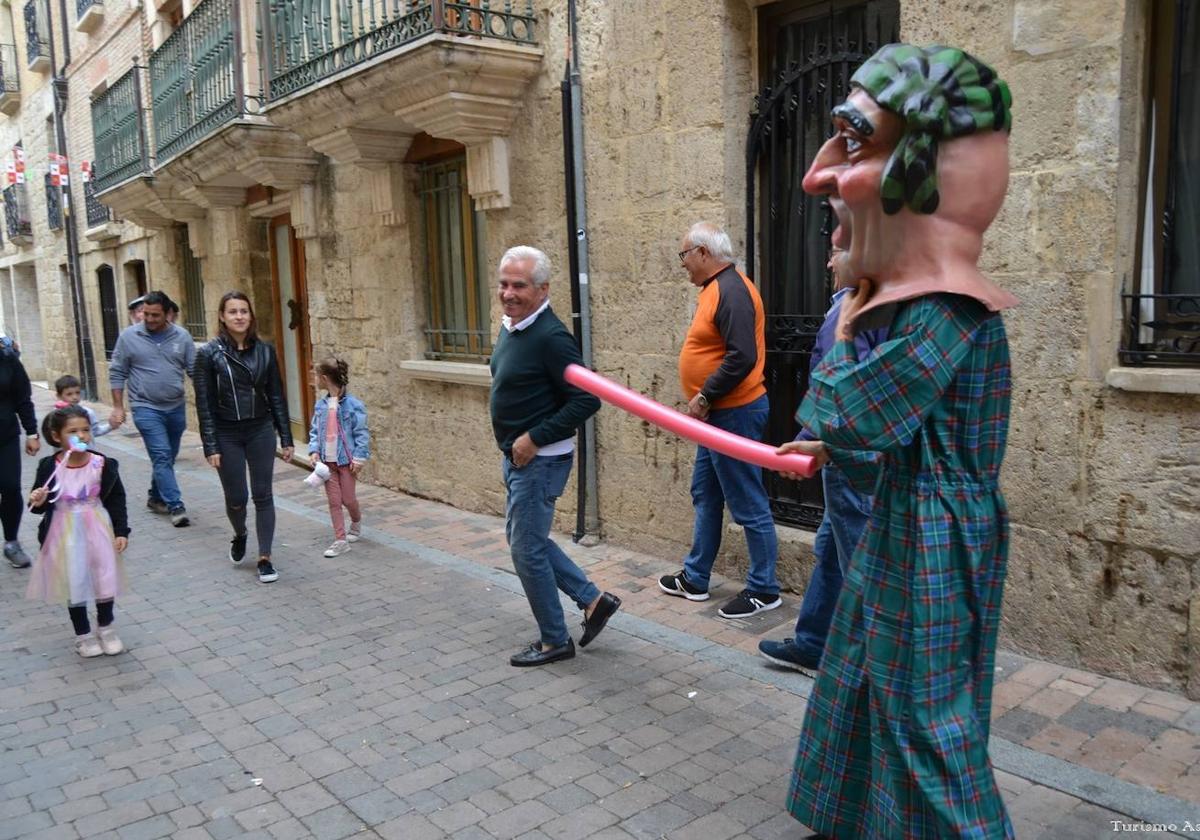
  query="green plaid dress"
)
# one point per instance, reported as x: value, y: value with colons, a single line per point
x: 894, y: 743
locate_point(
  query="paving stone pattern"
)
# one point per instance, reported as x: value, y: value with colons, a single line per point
x: 370, y: 696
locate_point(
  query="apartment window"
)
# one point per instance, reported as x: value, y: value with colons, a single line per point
x: 459, y: 295
x: 193, y: 287
x: 1162, y: 311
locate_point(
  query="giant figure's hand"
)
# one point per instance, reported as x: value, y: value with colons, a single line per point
x: 805, y: 447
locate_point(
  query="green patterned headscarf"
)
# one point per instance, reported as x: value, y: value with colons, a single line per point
x: 940, y: 93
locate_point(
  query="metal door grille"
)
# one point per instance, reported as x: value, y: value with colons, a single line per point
x: 193, y: 288
x: 810, y: 52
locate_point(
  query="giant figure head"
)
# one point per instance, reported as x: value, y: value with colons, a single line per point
x: 916, y: 171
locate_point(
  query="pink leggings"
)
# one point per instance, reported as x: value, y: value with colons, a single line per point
x: 339, y: 490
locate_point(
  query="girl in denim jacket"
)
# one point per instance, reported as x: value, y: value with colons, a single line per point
x: 340, y: 439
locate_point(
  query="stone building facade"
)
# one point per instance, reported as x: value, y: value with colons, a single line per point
x: 362, y: 195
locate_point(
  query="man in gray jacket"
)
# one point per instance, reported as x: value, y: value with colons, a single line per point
x: 150, y: 361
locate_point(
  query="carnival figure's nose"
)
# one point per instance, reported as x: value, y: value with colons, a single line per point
x: 821, y: 178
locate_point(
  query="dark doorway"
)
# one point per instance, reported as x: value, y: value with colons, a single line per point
x: 110, y: 310
x: 809, y: 52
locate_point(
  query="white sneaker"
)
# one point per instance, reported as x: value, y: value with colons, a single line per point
x: 88, y: 646
x: 355, y: 532
x: 110, y: 642
x: 338, y: 548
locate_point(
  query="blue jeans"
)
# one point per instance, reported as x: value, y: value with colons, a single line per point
x: 161, y: 431
x: 846, y: 515
x: 717, y: 481
x: 540, y: 564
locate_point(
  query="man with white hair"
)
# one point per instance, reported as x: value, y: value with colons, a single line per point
x: 535, y: 413
x: 721, y: 373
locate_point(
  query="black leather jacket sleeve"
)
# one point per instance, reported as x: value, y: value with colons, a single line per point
x: 204, y: 380
x: 274, y: 387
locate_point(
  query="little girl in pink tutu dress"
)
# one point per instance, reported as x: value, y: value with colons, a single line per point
x: 83, y: 531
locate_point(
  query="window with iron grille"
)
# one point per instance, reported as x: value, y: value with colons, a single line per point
x: 110, y: 317
x: 1162, y: 310
x: 459, y: 303
x: 193, y: 287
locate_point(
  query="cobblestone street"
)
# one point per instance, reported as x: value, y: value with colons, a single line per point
x: 371, y: 696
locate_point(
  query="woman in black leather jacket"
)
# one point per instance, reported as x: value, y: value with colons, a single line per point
x: 240, y: 405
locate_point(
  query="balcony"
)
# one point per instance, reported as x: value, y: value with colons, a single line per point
x: 118, y: 132
x: 89, y: 14
x: 54, y: 210
x: 16, y: 215
x: 359, y: 81
x: 230, y: 108
x: 100, y: 222
x: 317, y: 41
x: 37, y: 36
x: 196, y: 78
x: 10, y: 80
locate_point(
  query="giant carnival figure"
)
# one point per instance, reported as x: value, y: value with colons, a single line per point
x: 894, y: 743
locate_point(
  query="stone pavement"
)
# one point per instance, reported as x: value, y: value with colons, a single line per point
x: 371, y: 696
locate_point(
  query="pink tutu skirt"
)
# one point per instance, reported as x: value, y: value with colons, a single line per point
x: 78, y: 562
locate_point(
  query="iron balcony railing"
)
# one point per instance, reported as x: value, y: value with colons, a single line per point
x: 119, y: 132
x: 310, y: 40
x: 37, y: 37
x: 54, y: 211
x: 16, y: 212
x: 81, y: 6
x: 1161, y: 330
x: 97, y: 213
x: 10, y: 74
x: 196, y: 77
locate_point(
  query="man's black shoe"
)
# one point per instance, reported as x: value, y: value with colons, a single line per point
x: 593, y: 624
x: 534, y: 655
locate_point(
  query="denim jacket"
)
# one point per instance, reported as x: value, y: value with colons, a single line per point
x: 352, y: 420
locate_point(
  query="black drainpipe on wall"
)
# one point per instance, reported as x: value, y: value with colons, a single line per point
x: 587, y: 517
x: 83, y: 333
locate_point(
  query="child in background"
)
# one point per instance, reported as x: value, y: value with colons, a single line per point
x: 340, y: 439
x: 83, y: 531
x: 70, y: 392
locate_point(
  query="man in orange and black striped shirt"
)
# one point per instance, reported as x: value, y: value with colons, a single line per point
x: 721, y: 373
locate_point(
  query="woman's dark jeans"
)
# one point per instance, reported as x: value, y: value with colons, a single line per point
x: 250, y: 443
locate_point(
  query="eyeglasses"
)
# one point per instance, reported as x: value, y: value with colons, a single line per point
x: 684, y: 252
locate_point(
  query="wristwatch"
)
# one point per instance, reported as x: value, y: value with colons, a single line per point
x: 703, y: 400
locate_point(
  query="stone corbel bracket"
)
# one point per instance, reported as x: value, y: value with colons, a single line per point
x: 378, y: 151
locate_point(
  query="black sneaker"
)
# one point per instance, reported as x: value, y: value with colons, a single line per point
x: 678, y: 585
x: 237, y: 549
x: 179, y: 517
x: 158, y: 506
x: 266, y: 572
x: 747, y: 603
x: 787, y: 655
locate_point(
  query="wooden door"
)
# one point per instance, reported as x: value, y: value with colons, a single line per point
x: 292, y: 343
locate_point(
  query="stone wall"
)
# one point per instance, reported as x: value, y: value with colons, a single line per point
x: 1101, y: 483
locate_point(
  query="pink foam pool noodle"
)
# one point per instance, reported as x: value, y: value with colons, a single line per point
x: 697, y: 431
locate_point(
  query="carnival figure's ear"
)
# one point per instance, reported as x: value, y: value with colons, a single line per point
x: 940, y: 93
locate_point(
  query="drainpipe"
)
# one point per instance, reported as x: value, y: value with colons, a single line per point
x: 587, y: 518
x: 83, y: 334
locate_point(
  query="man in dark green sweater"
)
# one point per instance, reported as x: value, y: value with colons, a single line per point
x: 534, y: 417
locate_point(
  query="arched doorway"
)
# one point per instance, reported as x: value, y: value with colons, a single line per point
x: 110, y: 308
